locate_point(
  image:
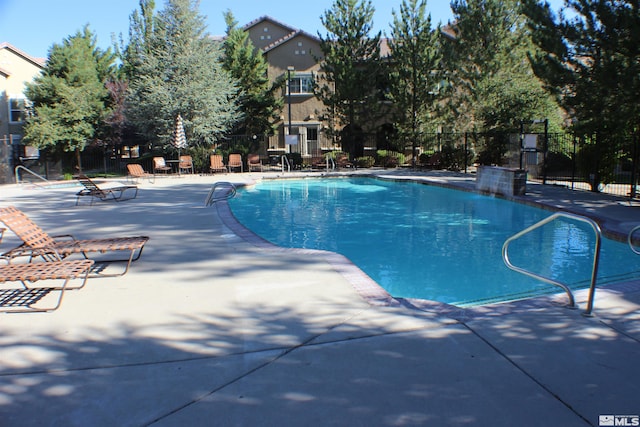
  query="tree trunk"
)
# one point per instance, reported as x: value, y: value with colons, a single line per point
x: 79, y: 161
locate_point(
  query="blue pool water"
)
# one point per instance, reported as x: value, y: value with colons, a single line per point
x: 421, y: 241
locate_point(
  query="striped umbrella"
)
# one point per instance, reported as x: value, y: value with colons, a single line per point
x: 179, y: 139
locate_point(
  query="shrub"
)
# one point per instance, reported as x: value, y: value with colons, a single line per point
x: 365, y: 161
x: 424, y: 158
x: 453, y: 158
x: 390, y: 159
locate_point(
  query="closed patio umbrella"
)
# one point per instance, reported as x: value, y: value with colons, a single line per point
x: 179, y: 139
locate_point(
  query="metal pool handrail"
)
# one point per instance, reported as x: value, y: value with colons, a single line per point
x: 596, y: 257
x: 630, y: 240
x: 228, y: 191
x: 284, y: 161
x: 20, y: 167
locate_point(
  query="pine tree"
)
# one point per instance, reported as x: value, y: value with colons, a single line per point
x: 416, y: 69
x: 246, y: 64
x: 178, y: 70
x: 69, y: 99
x: 351, y: 70
x: 494, y: 87
x: 591, y: 63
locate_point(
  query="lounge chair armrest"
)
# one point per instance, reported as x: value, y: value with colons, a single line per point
x: 25, y: 250
x: 47, y: 253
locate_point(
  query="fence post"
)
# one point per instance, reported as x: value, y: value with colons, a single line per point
x: 466, y: 152
x: 634, y: 167
x: 573, y: 161
x: 546, y: 150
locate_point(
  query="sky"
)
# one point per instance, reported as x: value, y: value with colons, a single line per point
x: 33, y: 26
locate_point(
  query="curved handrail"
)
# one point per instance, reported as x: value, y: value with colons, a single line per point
x: 596, y: 257
x: 630, y: 240
x: 228, y: 191
x: 20, y: 167
x: 284, y: 160
x: 331, y: 161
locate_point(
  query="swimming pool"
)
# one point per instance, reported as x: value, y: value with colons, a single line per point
x: 428, y: 242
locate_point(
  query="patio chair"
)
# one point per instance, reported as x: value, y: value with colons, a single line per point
x: 37, y: 243
x: 92, y: 190
x: 254, y: 163
x: 25, y: 298
x: 136, y: 171
x: 433, y: 162
x: 216, y: 164
x: 318, y: 160
x: 342, y: 161
x: 186, y: 164
x: 159, y: 165
x: 235, y: 161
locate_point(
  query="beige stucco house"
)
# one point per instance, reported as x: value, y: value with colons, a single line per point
x: 292, y: 54
x: 16, y: 69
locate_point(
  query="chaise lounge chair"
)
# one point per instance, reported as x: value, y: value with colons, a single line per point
x: 104, y: 194
x: 136, y: 171
x: 25, y: 299
x: 342, y: 161
x: 37, y: 243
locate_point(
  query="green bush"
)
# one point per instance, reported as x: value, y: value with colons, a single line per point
x: 365, y: 162
x: 424, y: 158
x: 453, y: 158
x: 390, y: 159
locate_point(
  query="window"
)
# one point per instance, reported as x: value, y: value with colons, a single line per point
x: 301, y: 84
x: 16, y: 110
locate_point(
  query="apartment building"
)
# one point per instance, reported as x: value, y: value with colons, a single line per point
x: 16, y: 69
x: 292, y: 54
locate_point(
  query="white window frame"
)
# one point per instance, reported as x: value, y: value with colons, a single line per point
x: 301, y: 84
x: 20, y: 111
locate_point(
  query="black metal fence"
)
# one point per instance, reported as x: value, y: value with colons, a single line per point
x: 609, y: 166
x: 581, y: 163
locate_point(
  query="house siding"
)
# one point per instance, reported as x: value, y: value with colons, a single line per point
x: 16, y: 69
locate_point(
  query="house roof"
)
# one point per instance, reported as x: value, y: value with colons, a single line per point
x: 385, y: 50
x: 39, y: 62
x: 293, y: 32
x: 267, y: 18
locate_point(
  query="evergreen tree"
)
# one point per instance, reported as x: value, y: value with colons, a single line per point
x: 176, y: 69
x: 141, y: 25
x: 246, y: 64
x: 69, y: 99
x: 591, y: 63
x: 351, y: 70
x: 416, y: 72
x: 494, y: 87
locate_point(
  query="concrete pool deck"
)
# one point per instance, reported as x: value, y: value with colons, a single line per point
x: 209, y: 329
